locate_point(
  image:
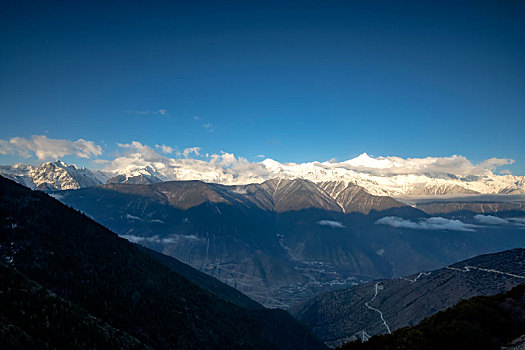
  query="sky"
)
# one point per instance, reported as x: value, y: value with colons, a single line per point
x: 294, y: 81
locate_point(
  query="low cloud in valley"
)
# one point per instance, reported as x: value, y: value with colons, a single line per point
x: 433, y: 223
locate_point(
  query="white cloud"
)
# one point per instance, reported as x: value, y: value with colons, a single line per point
x: 493, y: 163
x: 433, y: 223
x: 165, y: 149
x: 520, y: 222
x: 490, y: 220
x: 46, y: 148
x: 101, y: 161
x: 166, y: 240
x: 138, y: 148
x: 191, y: 150
x: 457, y: 165
x: 220, y: 168
x: 333, y: 224
x: 376, y: 174
x: 208, y: 126
x: 494, y: 220
x: 160, y: 111
x: 7, y: 148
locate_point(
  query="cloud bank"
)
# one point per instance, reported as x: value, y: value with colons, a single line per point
x: 380, y: 166
x: 490, y: 220
x: 457, y: 165
x: 495, y: 220
x: 378, y: 175
x: 46, y: 148
x: 166, y: 240
x: 165, y: 149
x: 221, y: 168
x: 433, y: 223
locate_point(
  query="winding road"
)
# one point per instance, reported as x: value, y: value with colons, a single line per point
x: 468, y: 268
x: 365, y: 336
x: 376, y: 310
x: 418, y: 276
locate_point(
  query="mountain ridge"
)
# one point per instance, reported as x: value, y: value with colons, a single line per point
x: 344, y: 315
x: 285, y: 240
x: 481, y: 322
x: 116, y: 281
x: 371, y: 179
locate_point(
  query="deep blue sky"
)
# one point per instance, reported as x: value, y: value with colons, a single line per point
x: 298, y: 81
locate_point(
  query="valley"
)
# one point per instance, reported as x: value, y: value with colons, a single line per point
x: 284, y: 241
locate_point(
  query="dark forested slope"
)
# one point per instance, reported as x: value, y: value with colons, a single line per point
x: 477, y: 323
x: 33, y: 317
x: 353, y: 313
x: 115, y: 281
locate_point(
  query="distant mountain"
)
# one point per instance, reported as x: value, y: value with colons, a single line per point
x: 292, y: 195
x: 133, y: 180
x: 284, y: 241
x: 146, y: 175
x: 359, y: 171
x: 353, y: 198
x: 460, y: 206
x: 259, y: 238
x: 134, y: 291
x: 53, y: 176
x: 383, y: 306
x: 483, y: 322
x: 480, y: 207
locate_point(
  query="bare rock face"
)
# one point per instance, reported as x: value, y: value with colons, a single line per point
x: 353, y: 198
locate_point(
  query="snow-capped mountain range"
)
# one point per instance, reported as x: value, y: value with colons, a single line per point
x: 382, y: 176
x: 54, y: 176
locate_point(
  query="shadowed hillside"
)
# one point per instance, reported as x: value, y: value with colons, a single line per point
x: 284, y: 241
x: 115, y: 281
x: 478, y: 323
x: 383, y: 306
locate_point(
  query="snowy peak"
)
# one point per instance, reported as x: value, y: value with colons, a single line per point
x: 379, y: 176
x: 60, y: 176
x: 353, y: 198
x: 298, y: 194
x: 365, y: 161
x: 136, y: 175
x: 52, y: 176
